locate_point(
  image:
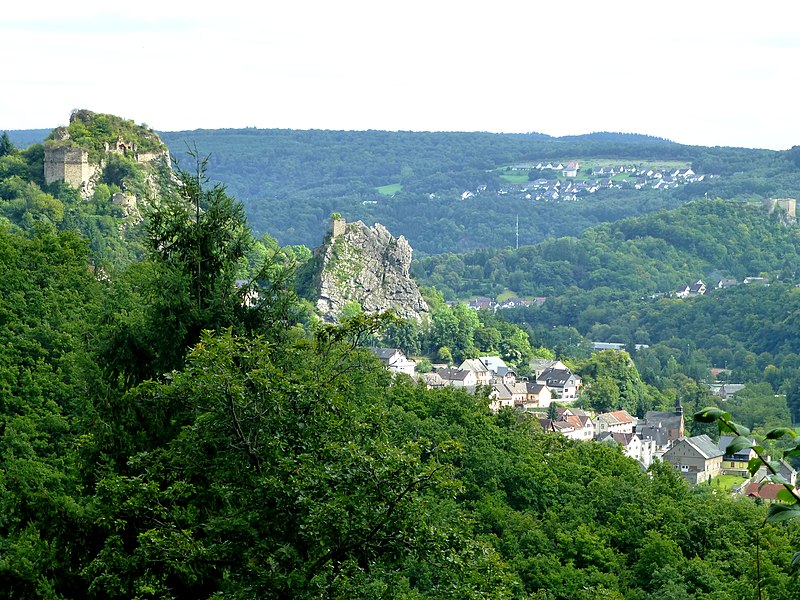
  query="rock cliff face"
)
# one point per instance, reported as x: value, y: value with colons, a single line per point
x: 368, y: 266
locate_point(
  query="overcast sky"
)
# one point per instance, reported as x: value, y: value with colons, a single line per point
x: 704, y: 72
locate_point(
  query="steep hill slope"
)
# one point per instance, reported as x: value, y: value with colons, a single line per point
x: 647, y: 255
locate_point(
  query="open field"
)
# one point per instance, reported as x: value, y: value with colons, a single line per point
x: 389, y: 190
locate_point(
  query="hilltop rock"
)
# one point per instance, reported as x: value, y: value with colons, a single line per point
x: 80, y: 153
x: 369, y: 266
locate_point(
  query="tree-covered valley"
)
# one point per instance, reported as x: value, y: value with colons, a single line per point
x: 163, y: 437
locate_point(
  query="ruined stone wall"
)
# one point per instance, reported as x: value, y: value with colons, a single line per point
x: 338, y: 227
x: 70, y: 165
x: 788, y: 206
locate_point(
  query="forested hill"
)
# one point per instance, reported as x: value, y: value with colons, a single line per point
x: 456, y: 192
x: 704, y: 239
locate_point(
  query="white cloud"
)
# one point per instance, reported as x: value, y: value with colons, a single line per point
x: 708, y: 73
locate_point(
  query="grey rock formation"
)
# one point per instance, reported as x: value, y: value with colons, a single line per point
x: 368, y: 266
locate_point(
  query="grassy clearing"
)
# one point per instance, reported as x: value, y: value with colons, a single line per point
x: 506, y: 294
x: 389, y: 190
x: 515, y: 178
x: 726, y: 482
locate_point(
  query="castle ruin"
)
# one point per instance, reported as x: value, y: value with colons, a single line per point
x: 70, y: 165
x: 787, y: 206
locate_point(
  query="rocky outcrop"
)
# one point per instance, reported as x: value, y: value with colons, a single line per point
x: 369, y: 266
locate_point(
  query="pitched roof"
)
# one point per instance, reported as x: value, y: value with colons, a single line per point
x: 616, y: 417
x: 705, y: 446
x: 449, y: 374
x: 474, y: 364
x: 624, y: 439
x: 767, y: 491
x: 535, y: 388
x: 662, y: 419
x: 556, y: 377
x: 493, y: 363
x: 386, y: 353
x: 742, y: 455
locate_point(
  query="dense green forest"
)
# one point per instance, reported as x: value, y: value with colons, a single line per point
x: 412, y: 182
x: 275, y: 459
x: 705, y: 239
x: 161, y: 437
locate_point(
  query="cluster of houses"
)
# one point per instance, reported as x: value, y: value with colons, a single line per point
x: 550, y: 380
x: 552, y: 389
x: 605, y: 177
x: 698, y: 288
x: 493, y: 305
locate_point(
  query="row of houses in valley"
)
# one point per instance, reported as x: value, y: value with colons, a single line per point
x: 643, y: 439
x: 658, y: 435
x: 661, y: 436
x: 550, y: 380
x: 493, y: 305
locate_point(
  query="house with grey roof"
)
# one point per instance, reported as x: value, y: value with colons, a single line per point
x: 726, y: 390
x: 477, y: 366
x: 395, y: 360
x: 508, y: 395
x: 458, y: 377
x: 735, y: 463
x: 697, y: 459
x: 564, y: 383
x: 663, y: 427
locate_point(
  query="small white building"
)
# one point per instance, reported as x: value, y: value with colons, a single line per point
x: 395, y: 360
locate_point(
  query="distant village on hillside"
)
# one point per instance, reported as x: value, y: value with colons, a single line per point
x: 573, y: 184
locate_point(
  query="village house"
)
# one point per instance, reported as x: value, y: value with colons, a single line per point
x: 540, y: 365
x: 395, y: 360
x: 735, y: 463
x: 500, y: 372
x: 632, y: 445
x: 784, y: 469
x: 458, y: 378
x: 432, y: 380
x: 481, y: 304
x: 697, y: 459
x: 508, y: 395
x: 663, y: 427
x: 564, y: 384
x: 477, y: 366
x: 538, y: 396
x: 764, y: 491
x: 726, y: 390
x: 572, y: 423
x: 618, y: 421
x: 726, y: 282
x: 698, y: 288
x: 572, y: 168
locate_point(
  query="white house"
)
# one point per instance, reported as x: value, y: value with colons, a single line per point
x: 395, y: 360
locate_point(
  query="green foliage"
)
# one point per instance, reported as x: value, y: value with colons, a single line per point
x: 197, y: 238
x: 96, y: 132
x: 283, y: 478
x: 613, y: 383
x: 777, y: 512
x: 628, y: 258
x: 6, y: 147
